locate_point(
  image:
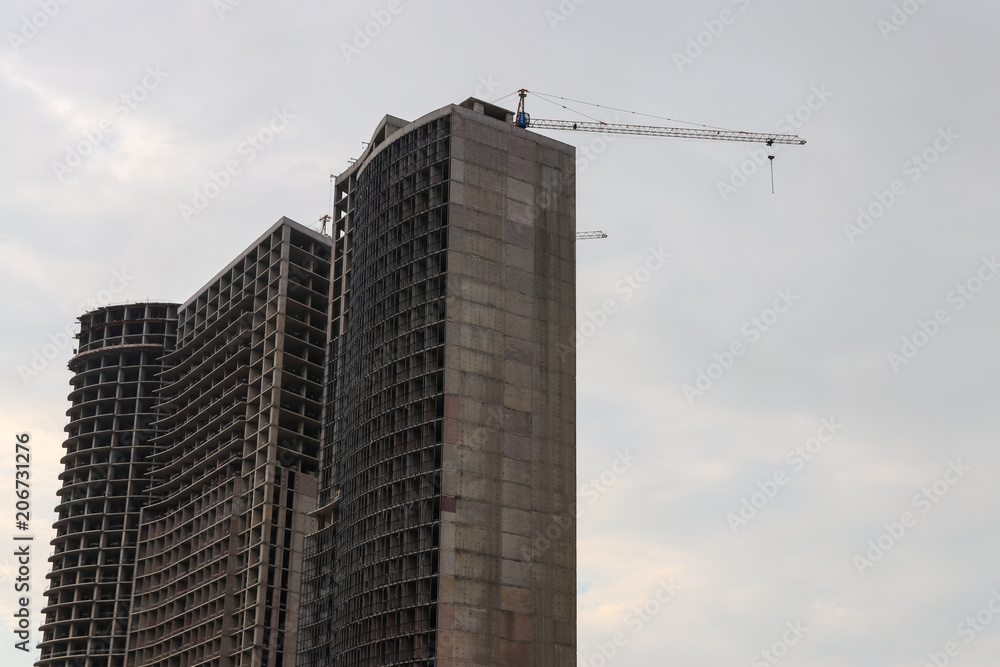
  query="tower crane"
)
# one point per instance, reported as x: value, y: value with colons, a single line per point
x: 523, y: 120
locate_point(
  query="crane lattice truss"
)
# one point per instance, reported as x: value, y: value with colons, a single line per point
x: 524, y: 120
x: 676, y: 132
x: 590, y: 235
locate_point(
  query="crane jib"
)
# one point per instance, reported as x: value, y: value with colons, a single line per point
x: 524, y: 121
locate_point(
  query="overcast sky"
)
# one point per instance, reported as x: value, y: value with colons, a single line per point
x: 813, y: 300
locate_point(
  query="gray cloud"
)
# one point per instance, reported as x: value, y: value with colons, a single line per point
x: 225, y: 75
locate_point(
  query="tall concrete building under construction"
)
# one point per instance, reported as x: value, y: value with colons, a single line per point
x: 341, y: 452
x: 190, y: 469
x: 104, y: 482
x: 448, y: 468
x: 220, y: 542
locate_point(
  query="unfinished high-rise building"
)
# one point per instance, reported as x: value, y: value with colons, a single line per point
x: 447, y: 481
x: 108, y: 453
x: 359, y: 450
x: 190, y: 469
x: 218, y: 570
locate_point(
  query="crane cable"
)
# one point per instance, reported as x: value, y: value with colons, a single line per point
x: 546, y: 96
x: 596, y: 120
x: 501, y: 99
x: 637, y: 113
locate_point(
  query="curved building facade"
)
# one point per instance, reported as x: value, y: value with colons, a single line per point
x: 449, y: 449
x: 391, y: 405
x: 104, y: 482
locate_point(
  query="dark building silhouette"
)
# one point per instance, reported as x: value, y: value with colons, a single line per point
x: 104, y: 482
x: 191, y: 469
x: 341, y: 452
x: 447, y: 481
x: 218, y: 570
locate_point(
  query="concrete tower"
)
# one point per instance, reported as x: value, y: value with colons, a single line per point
x: 104, y: 482
x: 233, y: 479
x: 448, y: 471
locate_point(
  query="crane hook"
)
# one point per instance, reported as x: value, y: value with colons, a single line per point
x: 770, y: 158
